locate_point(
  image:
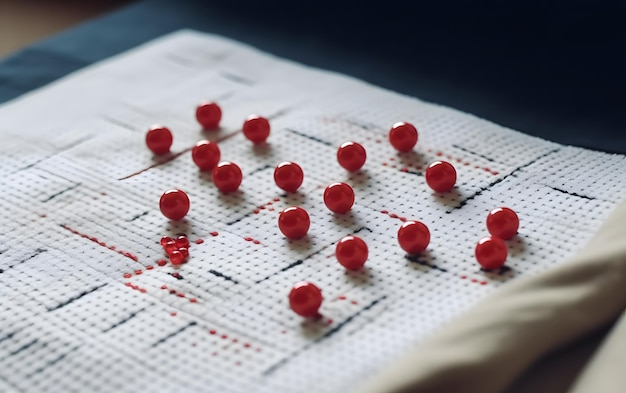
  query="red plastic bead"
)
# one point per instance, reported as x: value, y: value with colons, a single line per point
x: 491, y: 252
x: 441, y: 176
x: 502, y: 222
x: 182, y: 241
x: 288, y: 176
x: 227, y: 176
x: 403, y: 136
x: 351, y: 156
x: 256, y: 128
x: 170, y: 247
x: 206, y: 155
x: 174, y: 204
x: 159, y: 139
x: 209, y: 115
x: 413, y: 237
x: 351, y: 252
x: 305, y: 299
x: 294, y: 222
x: 339, y: 197
x: 177, y: 258
x: 184, y: 251
x: 164, y: 240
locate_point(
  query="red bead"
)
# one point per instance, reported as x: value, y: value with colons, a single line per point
x: 294, y: 222
x: 491, y: 252
x: 351, y: 252
x: 351, y: 156
x: 177, y: 258
x: 182, y: 241
x: 413, y: 237
x: 209, y: 115
x: 170, y: 247
x: 174, y: 204
x: 339, y: 197
x: 502, y: 222
x: 184, y: 251
x: 227, y: 176
x: 403, y: 136
x: 159, y: 139
x: 256, y: 128
x: 288, y: 176
x: 305, y: 299
x: 165, y: 239
x: 441, y: 176
x: 206, y: 155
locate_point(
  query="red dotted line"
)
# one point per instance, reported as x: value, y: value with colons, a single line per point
x: 343, y: 297
x: 233, y: 340
x: 460, y: 161
x: 178, y: 293
x: 267, y: 206
x: 393, y: 215
x: 136, y: 287
x: 249, y: 239
x: 102, y: 244
x: 474, y: 280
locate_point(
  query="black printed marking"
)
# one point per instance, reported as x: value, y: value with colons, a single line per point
x: 365, y: 126
x: 291, y: 265
x: 473, y: 153
x: 222, y: 275
x: 237, y: 78
x: 119, y: 123
x: 312, y: 138
x: 80, y: 295
x: 328, y: 334
x: 8, y: 336
x: 23, y: 348
x: 52, y: 362
x: 416, y: 259
x: 179, y: 331
x: 51, y: 197
x: 263, y: 168
x: 500, y: 271
x: 123, y: 321
x: 363, y: 228
x: 572, y: 193
x: 139, y: 216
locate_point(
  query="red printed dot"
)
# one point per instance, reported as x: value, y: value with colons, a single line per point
x: 177, y: 258
x: 209, y: 115
x: 351, y: 252
x: 351, y: 156
x: 339, y: 197
x: 403, y: 136
x: 294, y: 222
x: 305, y: 299
x: 413, y: 237
x: 206, y: 155
x: 174, y: 204
x: 491, y: 252
x: 502, y: 222
x: 159, y: 139
x: 441, y: 176
x: 288, y: 176
x: 182, y: 241
x: 256, y: 128
x: 227, y: 176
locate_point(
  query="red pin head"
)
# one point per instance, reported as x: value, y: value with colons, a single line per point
x: 206, y: 155
x: 413, y: 237
x: 502, y: 222
x: 305, y: 299
x: 159, y: 139
x: 227, y: 176
x: 403, y: 136
x: 256, y: 128
x: 174, y: 204
x: 491, y: 252
x: 339, y: 197
x: 209, y: 115
x: 288, y: 176
x: 351, y: 156
x: 441, y: 176
x: 351, y: 252
x: 294, y: 222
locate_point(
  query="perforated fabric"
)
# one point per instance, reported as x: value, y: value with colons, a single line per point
x: 87, y: 307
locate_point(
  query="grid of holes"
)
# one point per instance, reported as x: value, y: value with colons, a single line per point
x: 118, y: 330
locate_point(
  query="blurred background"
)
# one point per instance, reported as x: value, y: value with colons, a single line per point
x: 554, y: 69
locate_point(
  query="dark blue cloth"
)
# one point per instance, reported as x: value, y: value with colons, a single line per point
x: 553, y: 69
